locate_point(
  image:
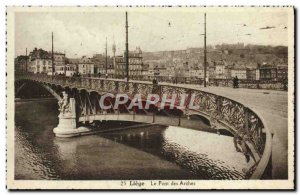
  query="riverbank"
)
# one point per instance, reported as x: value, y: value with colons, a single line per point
x: 35, y: 99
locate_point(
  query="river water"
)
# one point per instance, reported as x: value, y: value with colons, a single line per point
x: 152, y: 152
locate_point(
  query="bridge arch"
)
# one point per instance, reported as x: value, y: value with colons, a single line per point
x: 31, y: 85
x: 199, y: 116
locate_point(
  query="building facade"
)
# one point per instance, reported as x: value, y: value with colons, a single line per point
x: 240, y: 73
x: 39, y: 61
x: 120, y: 66
x: 86, y: 66
x: 251, y: 74
x: 220, y: 72
x: 211, y: 72
x: 257, y: 72
x: 67, y: 69
x: 282, y: 72
x: 197, y: 73
x: 21, y: 63
x: 135, y: 64
x: 267, y: 72
x: 59, y: 59
x: 228, y: 72
x: 101, y: 67
x: 38, y: 65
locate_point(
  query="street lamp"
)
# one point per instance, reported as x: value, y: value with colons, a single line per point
x: 205, y: 61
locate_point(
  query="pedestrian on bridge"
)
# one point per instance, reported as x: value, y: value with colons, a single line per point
x: 285, y: 84
x: 155, y: 85
x: 235, y: 82
x: 154, y: 81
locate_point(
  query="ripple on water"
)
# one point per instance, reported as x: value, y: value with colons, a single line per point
x: 29, y: 164
x: 209, y: 155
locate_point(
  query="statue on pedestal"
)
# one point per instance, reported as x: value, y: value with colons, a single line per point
x: 67, y: 125
x: 64, y: 104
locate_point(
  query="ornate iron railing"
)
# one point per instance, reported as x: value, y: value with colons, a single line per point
x: 243, y: 121
x: 279, y: 84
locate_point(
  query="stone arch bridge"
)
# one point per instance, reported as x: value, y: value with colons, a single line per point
x: 79, y: 101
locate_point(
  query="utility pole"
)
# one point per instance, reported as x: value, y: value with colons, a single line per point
x: 126, y: 45
x: 106, y: 57
x: 52, y: 57
x: 204, y: 49
x: 65, y: 68
x: 26, y: 61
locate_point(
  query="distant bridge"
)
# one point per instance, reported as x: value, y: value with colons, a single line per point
x: 215, y: 113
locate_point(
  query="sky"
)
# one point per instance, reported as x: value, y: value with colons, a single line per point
x: 84, y: 32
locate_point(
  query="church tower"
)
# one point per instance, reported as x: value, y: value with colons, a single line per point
x: 114, y: 49
x: 114, y: 57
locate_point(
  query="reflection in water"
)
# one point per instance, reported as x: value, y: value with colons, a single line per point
x: 94, y: 157
x: 152, y: 152
x: 207, y: 155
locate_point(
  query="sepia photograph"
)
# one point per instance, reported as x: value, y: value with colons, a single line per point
x: 155, y: 98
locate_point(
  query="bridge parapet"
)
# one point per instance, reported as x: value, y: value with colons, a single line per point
x: 247, y: 125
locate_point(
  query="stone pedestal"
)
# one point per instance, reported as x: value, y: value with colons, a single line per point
x: 67, y: 126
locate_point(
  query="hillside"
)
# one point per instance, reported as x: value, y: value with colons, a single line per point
x: 240, y: 55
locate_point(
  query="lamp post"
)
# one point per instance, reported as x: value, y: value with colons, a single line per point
x: 126, y: 54
x: 52, y: 57
x: 106, y: 57
x: 205, y: 63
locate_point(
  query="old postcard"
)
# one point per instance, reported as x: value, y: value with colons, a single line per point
x: 157, y: 98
